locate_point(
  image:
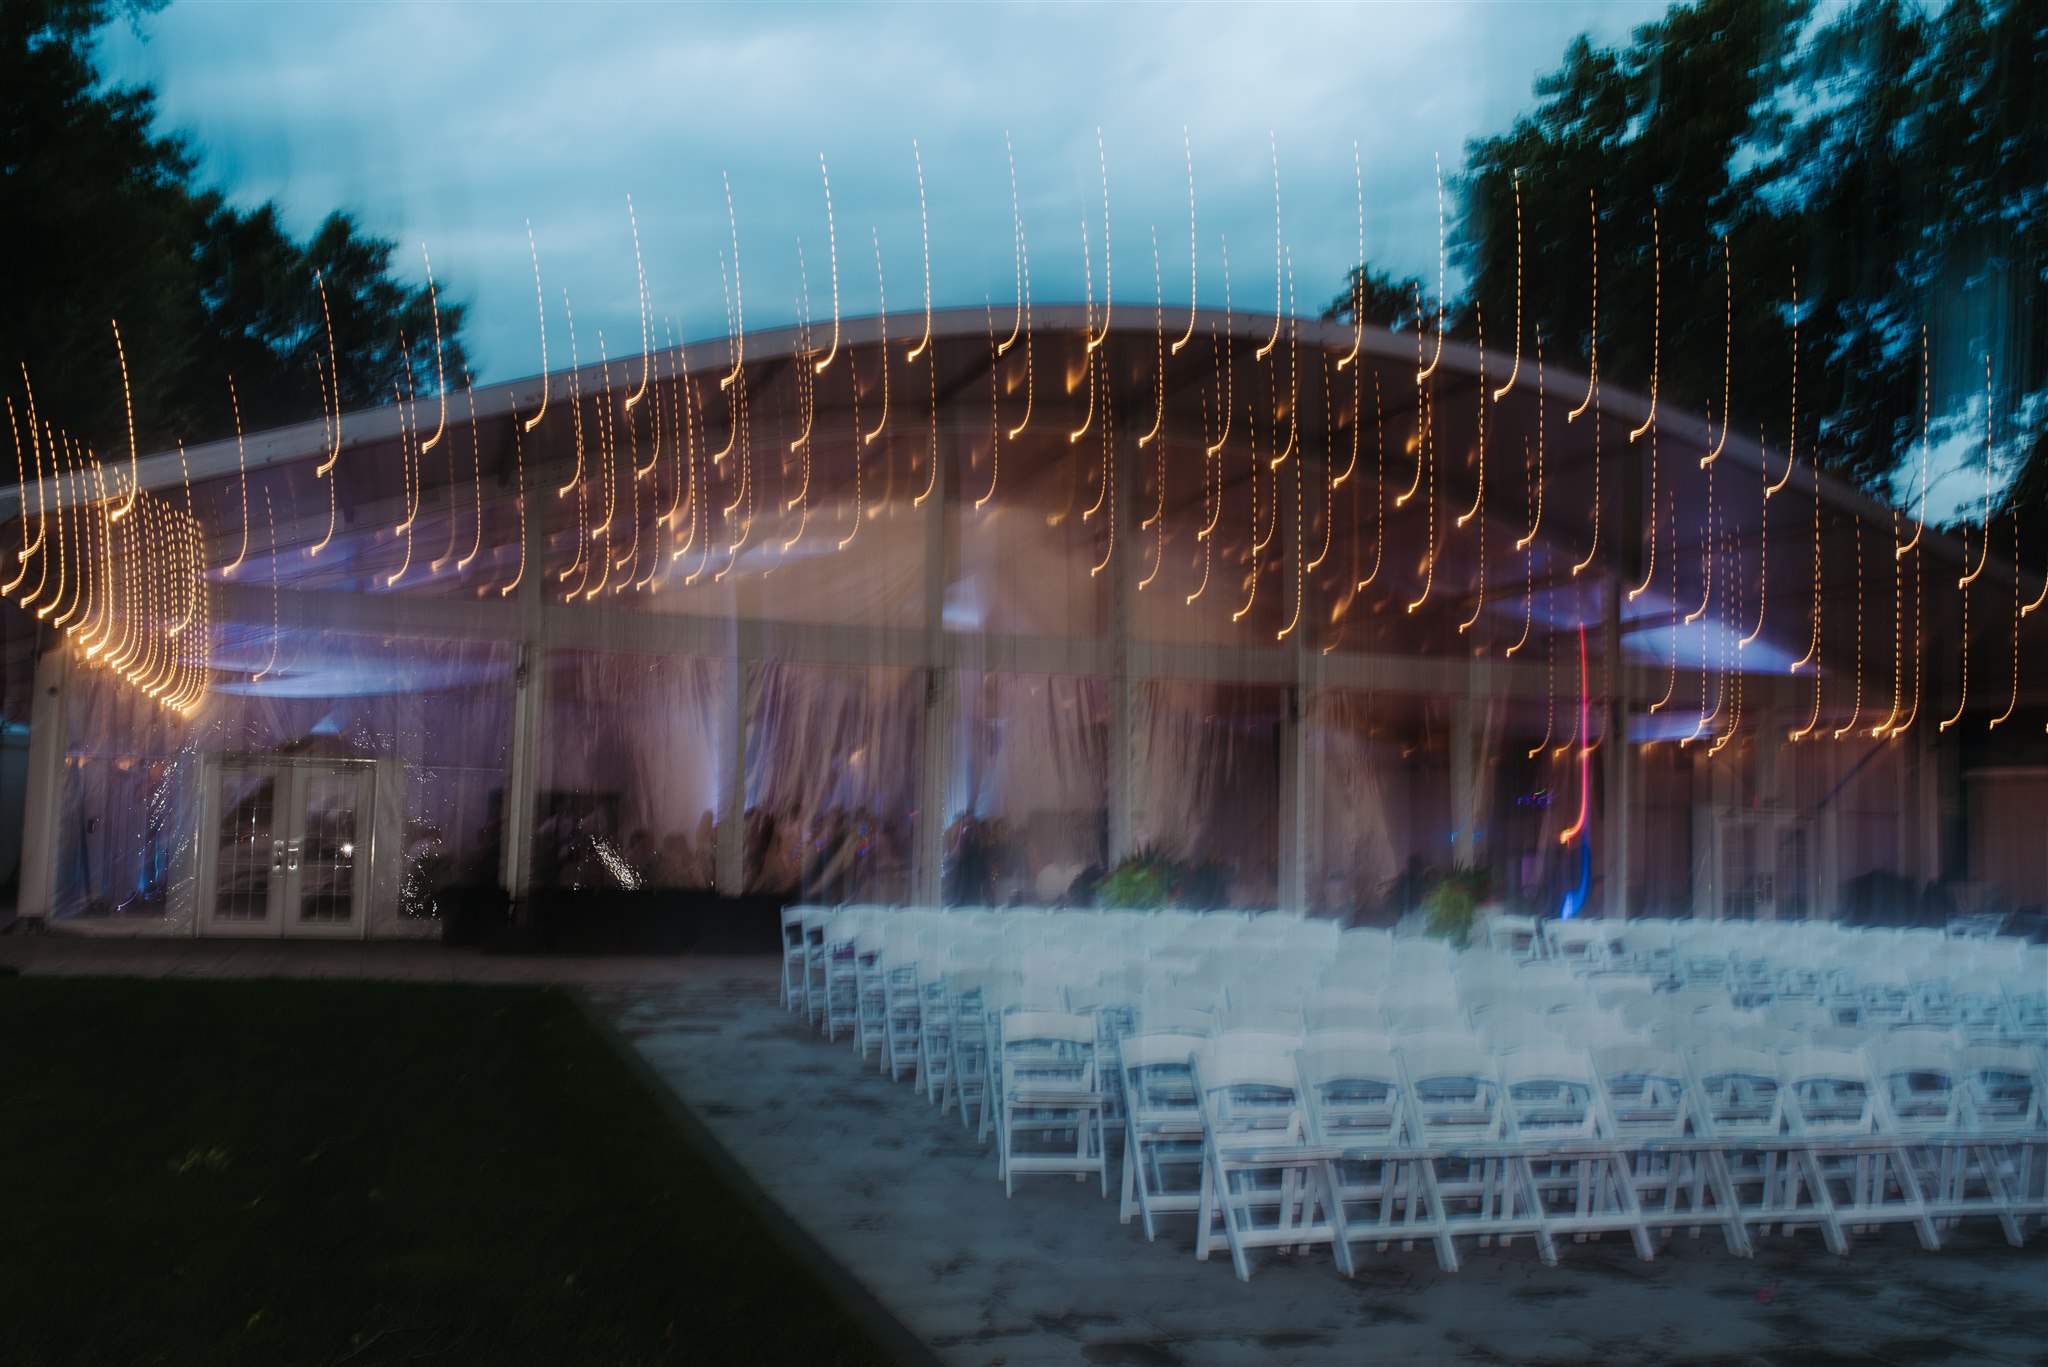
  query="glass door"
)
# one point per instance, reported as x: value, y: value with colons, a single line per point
x: 287, y: 852
x: 244, y: 889
x: 326, y: 857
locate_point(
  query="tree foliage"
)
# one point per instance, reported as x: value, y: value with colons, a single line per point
x: 1889, y: 155
x: 101, y: 221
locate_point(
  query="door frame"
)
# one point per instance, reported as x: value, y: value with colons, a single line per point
x: 287, y: 804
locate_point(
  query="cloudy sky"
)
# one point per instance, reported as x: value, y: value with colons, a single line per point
x: 455, y: 124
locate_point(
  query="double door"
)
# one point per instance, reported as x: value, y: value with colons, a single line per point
x: 286, y: 847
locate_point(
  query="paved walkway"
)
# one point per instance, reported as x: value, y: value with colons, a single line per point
x: 907, y: 1201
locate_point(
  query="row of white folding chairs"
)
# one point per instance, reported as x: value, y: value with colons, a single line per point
x: 1342, y: 1141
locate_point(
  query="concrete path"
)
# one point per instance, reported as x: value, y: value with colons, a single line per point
x: 909, y: 1202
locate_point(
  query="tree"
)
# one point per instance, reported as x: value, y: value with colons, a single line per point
x: 101, y: 222
x: 1892, y: 155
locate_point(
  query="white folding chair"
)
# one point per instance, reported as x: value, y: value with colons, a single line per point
x: 1474, y: 1181
x: 1352, y: 1094
x: 1046, y: 1087
x: 1645, y: 1091
x: 1861, y: 1175
x: 1261, y: 1184
x: 1162, y: 1128
x: 1558, y: 1118
x: 794, y: 958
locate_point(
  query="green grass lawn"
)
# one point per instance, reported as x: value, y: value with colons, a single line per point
x: 275, y: 1172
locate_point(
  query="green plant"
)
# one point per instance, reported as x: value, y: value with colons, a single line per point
x: 1144, y: 881
x: 1450, y: 907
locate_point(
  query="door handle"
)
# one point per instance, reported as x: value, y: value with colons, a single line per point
x: 277, y: 856
x: 291, y: 850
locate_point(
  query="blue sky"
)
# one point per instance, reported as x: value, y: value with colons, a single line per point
x: 454, y: 124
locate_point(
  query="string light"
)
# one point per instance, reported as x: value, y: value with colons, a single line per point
x: 1108, y: 479
x: 1030, y: 376
x: 733, y: 396
x: 519, y: 475
x: 447, y: 554
x: 1379, y: 486
x: 1963, y: 699
x: 1189, y: 147
x: 805, y: 399
x: 276, y: 626
x: 1572, y: 832
x: 640, y: 276
x: 541, y: 308
x: 1299, y: 583
x: 1763, y: 563
x: 1901, y: 728
x: 128, y: 406
x: 1536, y: 525
x: 1431, y: 370
x: 1921, y: 523
x: 1401, y: 500
x: 1813, y: 649
x: 1727, y: 357
x: 1159, y: 338
x: 1856, y: 667
x: 1792, y: 431
x: 1479, y: 601
x: 242, y: 473
x: 1226, y: 360
x: 2014, y: 701
x: 1549, y: 694
x: 1329, y: 488
x: 1293, y: 370
x: 832, y: 244
x: 440, y: 383
x: 739, y: 291
x: 924, y: 231
x: 1252, y: 441
x: 1650, y: 571
x: 995, y: 421
x: 1593, y: 331
x: 21, y: 482
x: 1898, y: 629
x: 1429, y: 513
x: 1985, y: 558
x: 1573, y: 739
x: 1208, y: 545
x: 630, y: 562
x: 1272, y: 341
x: 576, y: 477
x: 1094, y: 342
x: 1656, y: 320
x: 1016, y: 246
x: 1706, y: 556
x: 1671, y: 682
x: 856, y: 468
x: 1358, y: 274
x: 1088, y: 363
x: 408, y: 413
x: 882, y: 297
x: 1506, y: 388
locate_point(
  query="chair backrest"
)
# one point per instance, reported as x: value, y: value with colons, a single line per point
x: 1644, y: 1088
x: 1367, y: 1041
x: 1828, y: 1091
x: 1282, y: 1042
x: 1157, y: 1082
x: 1551, y: 1092
x: 2003, y: 1089
x: 1353, y: 1093
x: 1325, y: 1017
x: 1916, y: 1084
x: 1282, y: 1018
x: 1153, y: 1017
x: 1453, y: 1091
x: 1245, y: 1089
x: 1738, y: 1092
x: 1415, y: 1018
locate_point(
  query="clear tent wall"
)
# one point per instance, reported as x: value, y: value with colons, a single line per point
x: 974, y: 625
